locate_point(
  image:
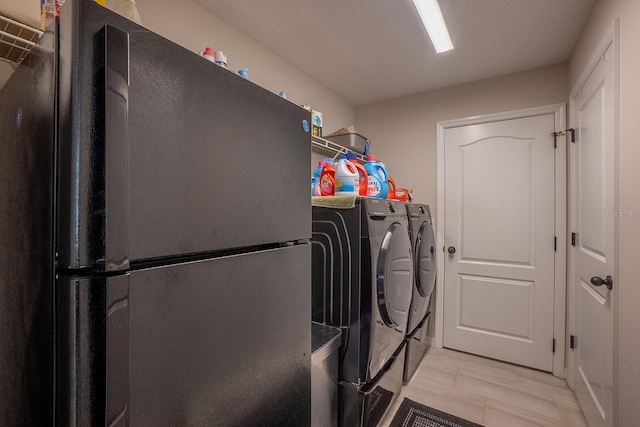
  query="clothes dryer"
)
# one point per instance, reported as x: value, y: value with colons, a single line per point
x: 362, y: 276
x: 424, y: 257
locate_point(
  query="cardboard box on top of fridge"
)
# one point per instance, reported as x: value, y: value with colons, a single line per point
x: 349, y: 138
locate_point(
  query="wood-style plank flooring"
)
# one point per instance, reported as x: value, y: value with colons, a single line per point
x: 490, y: 392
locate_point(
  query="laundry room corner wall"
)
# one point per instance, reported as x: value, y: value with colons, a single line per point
x: 403, y: 130
x: 627, y: 298
x: 192, y: 26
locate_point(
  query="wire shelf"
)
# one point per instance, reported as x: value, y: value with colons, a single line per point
x: 16, y: 39
x: 323, y: 145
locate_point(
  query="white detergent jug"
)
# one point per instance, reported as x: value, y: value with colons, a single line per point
x: 347, y: 178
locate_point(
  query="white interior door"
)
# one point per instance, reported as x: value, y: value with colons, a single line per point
x: 593, y: 216
x: 499, y: 213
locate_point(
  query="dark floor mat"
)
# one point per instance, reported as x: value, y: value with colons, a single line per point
x: 379, y: 401
x: 413, y: 414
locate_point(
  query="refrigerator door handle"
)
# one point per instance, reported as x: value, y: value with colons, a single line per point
x: 117, y: 350
x: 116, y: 146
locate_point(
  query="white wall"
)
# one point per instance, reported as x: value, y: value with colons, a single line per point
x: 403, y: 130
x: 25, y: 11
x: 627, y: 282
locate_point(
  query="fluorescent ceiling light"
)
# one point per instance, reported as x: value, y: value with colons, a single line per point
x: 431, y: 16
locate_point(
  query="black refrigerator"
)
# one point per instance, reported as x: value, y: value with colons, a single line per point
x: 155, y: 223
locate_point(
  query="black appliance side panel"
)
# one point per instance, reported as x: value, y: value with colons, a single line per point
x: 210, y: 153
x: 216, y: 161
x: 224, y: 341
x: 27, y: 118
x: 340, y: 274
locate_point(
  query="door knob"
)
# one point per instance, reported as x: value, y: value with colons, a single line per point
x: 599, y: 281
x: 451, y: 250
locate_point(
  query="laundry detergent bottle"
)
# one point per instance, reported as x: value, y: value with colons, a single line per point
x: 315, y: 179
x: 327, y: 183
x: 392, y: 190
x: 363, y: 176
x: 378, y: 180
x: 347, y: 178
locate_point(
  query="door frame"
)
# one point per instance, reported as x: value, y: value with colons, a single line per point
x: 610, y: 38
x: 560, y: 282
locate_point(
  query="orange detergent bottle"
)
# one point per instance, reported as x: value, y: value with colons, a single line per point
x: 327, y: 183
x: 391, y: 195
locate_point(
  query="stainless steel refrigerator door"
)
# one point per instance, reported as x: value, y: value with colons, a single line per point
x: 27, y: 111
x: 213, y: 160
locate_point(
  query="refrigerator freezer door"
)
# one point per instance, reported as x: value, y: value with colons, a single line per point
x: 27, y: 111
x: 214, y: 160
x: 223, y: 342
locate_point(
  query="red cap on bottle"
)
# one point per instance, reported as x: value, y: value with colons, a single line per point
x: 371, y: 158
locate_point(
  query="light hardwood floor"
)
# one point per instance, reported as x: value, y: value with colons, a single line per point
x: 490, y: 393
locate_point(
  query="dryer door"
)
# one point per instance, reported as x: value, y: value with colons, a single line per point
x: 394, y: 277
x: 425, y: 260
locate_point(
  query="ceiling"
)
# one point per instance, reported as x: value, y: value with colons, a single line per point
x: 372, y: 50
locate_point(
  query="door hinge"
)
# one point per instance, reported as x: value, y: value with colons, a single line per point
x: 572, y: 342
x: 573, y: 239
x: 555, y: 135
x: 555, y: 243
x: 553, y: 348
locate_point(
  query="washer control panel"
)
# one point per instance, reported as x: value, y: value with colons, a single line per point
x: 384, y: 208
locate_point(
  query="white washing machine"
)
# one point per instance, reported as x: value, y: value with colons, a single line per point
x: 362, y: 281
x: 424, y: 257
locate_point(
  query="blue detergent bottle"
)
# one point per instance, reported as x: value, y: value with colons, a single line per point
x: 315, y: 178
x: 378, y: 182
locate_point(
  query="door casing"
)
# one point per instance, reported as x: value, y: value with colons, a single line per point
x: 559, y: 310
x: 610, y: 39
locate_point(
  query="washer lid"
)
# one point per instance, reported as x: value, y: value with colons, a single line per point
x: 394, y: 276
x: 425, y: 259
